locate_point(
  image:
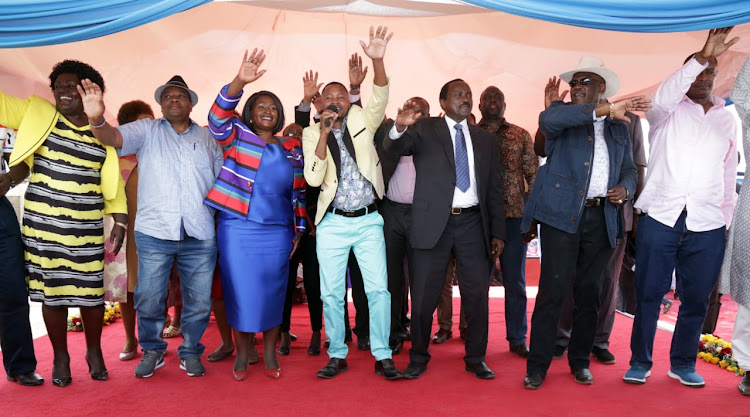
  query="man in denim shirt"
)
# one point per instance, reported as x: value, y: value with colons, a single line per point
x: 576, y: 197
x: 178, y: 161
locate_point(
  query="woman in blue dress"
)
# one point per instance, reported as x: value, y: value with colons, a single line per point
x: 259, y: 195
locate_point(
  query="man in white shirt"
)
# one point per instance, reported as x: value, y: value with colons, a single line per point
x: 686, y: 207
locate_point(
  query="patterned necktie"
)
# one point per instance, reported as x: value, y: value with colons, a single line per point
x: 462, y: 161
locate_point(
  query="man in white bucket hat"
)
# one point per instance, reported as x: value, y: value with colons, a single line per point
x: 576, y: 197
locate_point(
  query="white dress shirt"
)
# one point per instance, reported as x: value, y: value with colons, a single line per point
x: 461, y: 199
x: 599, y: 179
x: 693, y: 157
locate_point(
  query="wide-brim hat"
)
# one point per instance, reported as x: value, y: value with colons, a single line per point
x: 176, y: 81
x: 595, y: 65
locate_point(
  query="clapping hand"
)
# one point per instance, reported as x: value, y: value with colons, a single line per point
x: 91, y: 97
x: 378, y: 42
x: 249, y: 70
x: 552, y: 92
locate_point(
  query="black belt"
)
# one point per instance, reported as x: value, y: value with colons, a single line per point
x: 462, y: 210
x: 595, y: 202
x: 356, y: 213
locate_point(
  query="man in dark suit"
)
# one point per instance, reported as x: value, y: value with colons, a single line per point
x: 458, y: 207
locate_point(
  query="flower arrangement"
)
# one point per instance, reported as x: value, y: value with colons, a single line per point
x: 111, y: 313
x: 718, y: 351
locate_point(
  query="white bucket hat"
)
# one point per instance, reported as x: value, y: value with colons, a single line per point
x: 595, y: 65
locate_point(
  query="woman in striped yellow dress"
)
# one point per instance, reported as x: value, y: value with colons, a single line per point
x: 75, y: 180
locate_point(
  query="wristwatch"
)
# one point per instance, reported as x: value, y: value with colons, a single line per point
x: 12, y: 181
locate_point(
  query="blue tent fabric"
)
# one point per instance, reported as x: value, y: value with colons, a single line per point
x: 630, y: 15
x: 25, y: 23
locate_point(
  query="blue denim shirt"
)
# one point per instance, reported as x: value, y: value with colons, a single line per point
x: 559, y: 193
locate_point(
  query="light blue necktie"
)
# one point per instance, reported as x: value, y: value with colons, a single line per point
x: 462, y: 161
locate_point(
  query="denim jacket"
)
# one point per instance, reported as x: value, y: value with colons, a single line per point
x: 559, y: 193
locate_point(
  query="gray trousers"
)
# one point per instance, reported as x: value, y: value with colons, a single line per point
x: 607, y: 304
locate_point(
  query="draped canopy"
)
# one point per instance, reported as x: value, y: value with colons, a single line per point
x: 434, y: 41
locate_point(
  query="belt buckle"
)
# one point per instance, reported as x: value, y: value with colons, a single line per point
x: 455, y: 210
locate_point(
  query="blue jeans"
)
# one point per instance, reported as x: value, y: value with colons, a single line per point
x: 196, y: 260
x: 336, y: 236
x: 513, y: 266
x: 696, y: 257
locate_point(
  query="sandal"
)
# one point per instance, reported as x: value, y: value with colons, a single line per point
x: 219, y: 355
x: 171, y: 331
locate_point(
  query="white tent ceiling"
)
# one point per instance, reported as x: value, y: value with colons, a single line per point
x: 205, y: 45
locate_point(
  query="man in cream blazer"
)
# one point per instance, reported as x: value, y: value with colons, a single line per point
x: 340, y: 158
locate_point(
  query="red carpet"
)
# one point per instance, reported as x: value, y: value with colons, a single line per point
x: 444, y: 390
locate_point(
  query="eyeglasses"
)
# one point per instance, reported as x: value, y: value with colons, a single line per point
x: 582, y: 81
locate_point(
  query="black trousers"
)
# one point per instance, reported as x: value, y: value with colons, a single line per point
x: 396, y: 229
x: 463, y: 236
x: 576, y: 259
x: 311, y: 273
x: 15, y: 330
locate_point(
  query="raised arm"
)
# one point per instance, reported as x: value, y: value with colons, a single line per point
x: 93, y: 106
x: 221, y: 114
x: 671, y: 91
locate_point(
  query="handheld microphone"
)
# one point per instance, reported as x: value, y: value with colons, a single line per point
x: 334, y: 109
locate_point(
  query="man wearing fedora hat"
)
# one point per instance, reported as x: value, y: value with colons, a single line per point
x: 576, y: 197
x: 178, y: 161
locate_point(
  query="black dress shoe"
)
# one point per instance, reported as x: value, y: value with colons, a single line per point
x: 28, y: 379
x: 283, y: 350
x: 414, y: 371
x: 583, y: 376
x: 334, y: 367
x: 744, y: 385
x: 62, y: 382
x: 481, y: 370
x: 313, y: 350
x: 533, y: 381
x: 387, y: 369
x: 396, y: 346
x: 603, y: 356
x: 520, y: 350
x: 292, y: 337
x: 327, y: 343
x: 363, y: 343
x: 442, y: 336
x: 559, y: 352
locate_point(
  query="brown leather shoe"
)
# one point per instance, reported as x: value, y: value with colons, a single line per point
x: 442, y: 336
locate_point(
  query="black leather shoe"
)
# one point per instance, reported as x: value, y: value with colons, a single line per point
x: 533, y: 381
x: 313, y: 350
x: 363, y: 343
x: 414, y: 371
x: 334, y: 367
x: 520, y: 350
x: 559, y: 352
x: 327, y: 343
x: 28, y: 379
x: 744, y: 386
x: 481, y: 370
x: 387, y: 369
x: 396, y: 346
x: 283, y: 350
x: 583, y: 376
x: 603, y: 356
x: 442, y: 336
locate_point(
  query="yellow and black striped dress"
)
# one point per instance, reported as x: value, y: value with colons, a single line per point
x: 62, y: 220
